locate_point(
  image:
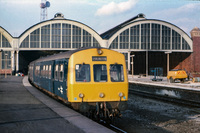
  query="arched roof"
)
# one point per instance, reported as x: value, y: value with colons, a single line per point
x: 115, y: 32
x: 109, y: 33
x: 5, y: 32
x: 121, y: 31
x: 8, y: 38
x: 59, y: 20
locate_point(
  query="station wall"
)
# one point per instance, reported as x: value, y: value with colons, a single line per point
x: 129, y: 38
x: 192, y: 62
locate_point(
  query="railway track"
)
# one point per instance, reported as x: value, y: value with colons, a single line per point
x: 111, y: 126
x: 102, y: 122
x: 165, y: 98
x: 175, y: 101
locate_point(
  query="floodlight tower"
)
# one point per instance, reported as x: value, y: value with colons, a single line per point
x: 43, y: 12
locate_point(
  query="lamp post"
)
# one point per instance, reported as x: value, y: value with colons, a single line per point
x: 132, y: 64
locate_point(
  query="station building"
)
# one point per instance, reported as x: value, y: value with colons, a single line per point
x: 149, y: 43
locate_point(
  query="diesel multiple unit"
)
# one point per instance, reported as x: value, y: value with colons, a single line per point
x: 92, y: 80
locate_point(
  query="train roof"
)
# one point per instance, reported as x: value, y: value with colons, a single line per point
x: 62, y: 55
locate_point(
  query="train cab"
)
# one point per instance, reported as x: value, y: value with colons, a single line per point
x: 97, y: 75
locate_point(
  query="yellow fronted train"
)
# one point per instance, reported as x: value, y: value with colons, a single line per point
x: 91, y: 80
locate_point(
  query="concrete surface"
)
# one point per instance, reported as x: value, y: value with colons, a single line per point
x: 147, y: 81
x: 187, y: 91
x: 24, y: 109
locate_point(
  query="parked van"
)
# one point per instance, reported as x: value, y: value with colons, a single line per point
x: 177, y: 74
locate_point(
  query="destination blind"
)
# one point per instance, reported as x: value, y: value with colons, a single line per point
x: 99, y: 58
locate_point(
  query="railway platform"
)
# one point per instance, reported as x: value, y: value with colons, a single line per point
x: 187, y: 91
x: 147, y: 80
x: 24, y: 108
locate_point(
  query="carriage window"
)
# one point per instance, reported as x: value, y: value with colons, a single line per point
x: 116, y: 73
x: 56, y: 73
x: 43, y: 71
x: 100, y: 73
x: 61, y: 73
x: 46, y: 72
x: 49, y: 71
x: 38, y: 71
x: 82, y: 73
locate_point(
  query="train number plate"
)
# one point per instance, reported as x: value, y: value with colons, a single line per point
x: 99, y: 58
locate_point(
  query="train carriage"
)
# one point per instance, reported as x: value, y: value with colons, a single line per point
x: 90, y: 79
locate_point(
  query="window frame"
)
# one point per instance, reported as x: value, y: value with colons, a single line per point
x: 101, y: 73
x: 43, y: 71
x: 121, y: 72
x: 61, y: 72
x: 46, y: 71
x: 56, y: 72
x: 49, y: 71
x: 89, y: 75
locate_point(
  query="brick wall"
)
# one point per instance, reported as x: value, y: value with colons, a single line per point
x: 6, y: 71
x: 181, y: 61
x: 196, y: 53
x: 195, y: 34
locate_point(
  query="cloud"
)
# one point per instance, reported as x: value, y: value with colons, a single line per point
x: 80, y: 2
x: 186, y: 16
x: 188, y: 8
x: 20, y: 1
x: 115, y: 8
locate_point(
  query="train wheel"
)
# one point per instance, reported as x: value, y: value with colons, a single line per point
x: 182, y: 80
x: 171, y: 80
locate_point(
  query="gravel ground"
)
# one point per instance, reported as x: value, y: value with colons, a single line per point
x: 153, y: 116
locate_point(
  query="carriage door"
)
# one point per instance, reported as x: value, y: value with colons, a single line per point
x: 56, y: 79
x: 59, y: 80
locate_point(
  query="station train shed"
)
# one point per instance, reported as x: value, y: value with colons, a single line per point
x: 150, y: 42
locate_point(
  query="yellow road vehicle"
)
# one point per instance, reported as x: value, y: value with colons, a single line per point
x: 177, y: 74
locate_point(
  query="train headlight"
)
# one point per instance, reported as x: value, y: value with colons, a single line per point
x: 101, y: 95
x: 81, y: 95
x: 121, y: 94
x: 100, y: 52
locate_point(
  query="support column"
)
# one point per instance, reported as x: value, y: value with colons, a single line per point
x: 147, y: 65
x: 167, y: 63
x: 13, y: 61
x: 17, y: 61
x: 0, y: 61
x: 169, y: 52
x: 129, y: 52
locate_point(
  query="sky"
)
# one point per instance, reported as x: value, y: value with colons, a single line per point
x: 101, y: 15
